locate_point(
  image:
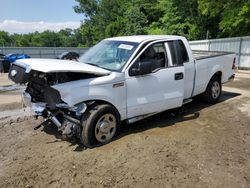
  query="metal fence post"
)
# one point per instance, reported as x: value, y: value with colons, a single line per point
x: 3, y: 50
x: 239, y: 52
x: 55, y: 52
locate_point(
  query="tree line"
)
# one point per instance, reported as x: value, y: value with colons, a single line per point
x: 63, y: 38
x: 194, y: 19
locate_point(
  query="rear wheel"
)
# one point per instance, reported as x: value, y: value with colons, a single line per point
x: 100, y: 124
x: 213, y: 91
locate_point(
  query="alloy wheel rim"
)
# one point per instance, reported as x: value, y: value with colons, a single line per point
x: 216, y: 90
x: 105, y: 128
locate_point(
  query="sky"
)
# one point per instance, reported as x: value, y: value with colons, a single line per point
x: 25, y: 16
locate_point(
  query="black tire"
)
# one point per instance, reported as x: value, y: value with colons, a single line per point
x: 6, y: 66
x: 213, y: 91
x: 91, y: 121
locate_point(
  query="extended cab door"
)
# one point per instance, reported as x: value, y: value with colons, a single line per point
x: 155, y: 80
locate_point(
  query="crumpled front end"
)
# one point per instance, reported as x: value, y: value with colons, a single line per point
x: 66, y: 118
x: 46, y: 101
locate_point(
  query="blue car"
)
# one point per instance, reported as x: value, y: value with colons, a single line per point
x: 10, y: 58
x: 13, y: 57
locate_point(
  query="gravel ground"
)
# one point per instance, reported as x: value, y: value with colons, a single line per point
x: 198, y: 145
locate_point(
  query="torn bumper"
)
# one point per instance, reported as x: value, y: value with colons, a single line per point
x: 64, y: 117
x: 36, y: 108
x: 67, y: 119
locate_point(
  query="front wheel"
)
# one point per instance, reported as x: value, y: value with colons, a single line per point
x: 213, y: 91
x: 100, y: 124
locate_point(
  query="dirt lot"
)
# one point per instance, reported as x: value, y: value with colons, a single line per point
x: 9, y: 100
x: 196, y: 146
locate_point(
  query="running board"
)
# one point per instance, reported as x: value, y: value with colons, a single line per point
x: 185, y: 101
x: 138, y: 118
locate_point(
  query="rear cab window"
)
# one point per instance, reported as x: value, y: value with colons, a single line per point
x: 178, y: 52
x: 183, y: 51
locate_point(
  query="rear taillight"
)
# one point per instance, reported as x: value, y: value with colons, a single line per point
x: 234, y: 62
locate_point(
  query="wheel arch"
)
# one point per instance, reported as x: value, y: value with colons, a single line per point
x: 207, y: 95
x: 218, y: 73
x: 99, y: 102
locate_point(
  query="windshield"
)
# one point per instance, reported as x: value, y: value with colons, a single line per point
x: 108, y: 54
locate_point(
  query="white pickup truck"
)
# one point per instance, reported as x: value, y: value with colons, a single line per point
x: 121, y: 78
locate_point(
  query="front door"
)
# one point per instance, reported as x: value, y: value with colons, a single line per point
x: 159, y: 90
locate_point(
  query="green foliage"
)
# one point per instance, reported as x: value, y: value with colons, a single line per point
x: 194, y: 19
x: 136, y: 22
x: 4, y: 38
x: 65, y: 37
x: 233, y: 17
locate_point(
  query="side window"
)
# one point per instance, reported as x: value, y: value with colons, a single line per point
x: 155, y: 53
x: 183, y: 51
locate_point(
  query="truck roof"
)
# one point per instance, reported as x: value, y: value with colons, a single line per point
x: 141, y: 38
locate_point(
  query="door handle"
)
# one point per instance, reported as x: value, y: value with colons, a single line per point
x: 179, y: 76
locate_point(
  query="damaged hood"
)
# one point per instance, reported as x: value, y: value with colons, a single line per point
x: 54, y: 65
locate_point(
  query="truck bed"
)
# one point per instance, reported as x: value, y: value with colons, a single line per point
x: 203, y: 54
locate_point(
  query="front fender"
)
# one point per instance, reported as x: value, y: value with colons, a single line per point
x: 75, y: 92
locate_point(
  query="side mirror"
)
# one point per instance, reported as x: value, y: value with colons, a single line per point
x: 144, y: 67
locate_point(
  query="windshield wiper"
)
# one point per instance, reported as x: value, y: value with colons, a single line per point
x: 99, y: 66
x: 93, y: 64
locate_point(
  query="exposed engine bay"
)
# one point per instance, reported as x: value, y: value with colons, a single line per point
x: 46, y: 101
x: 39, y: 85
